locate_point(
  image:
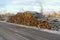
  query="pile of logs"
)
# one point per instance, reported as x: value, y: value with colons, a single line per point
x: 27, y: 18
x: 0, y: 17
x: 43, y: 24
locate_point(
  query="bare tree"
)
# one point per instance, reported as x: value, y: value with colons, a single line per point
x: 41, y: 5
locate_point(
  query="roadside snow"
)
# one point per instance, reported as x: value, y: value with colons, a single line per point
x: 51, y: 31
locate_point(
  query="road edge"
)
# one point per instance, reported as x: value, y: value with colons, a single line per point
x: 45, y: 30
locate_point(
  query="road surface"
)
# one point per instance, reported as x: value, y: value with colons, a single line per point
x: 13, y: 32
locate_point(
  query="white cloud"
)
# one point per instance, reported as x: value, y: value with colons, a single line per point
x: 32, y: 5
x: 22, y: 1
x: 16, y: 8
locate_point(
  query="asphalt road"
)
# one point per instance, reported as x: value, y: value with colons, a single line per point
x: 13, y: 32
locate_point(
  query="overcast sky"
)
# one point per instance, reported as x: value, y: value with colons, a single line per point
x: 28, y: 5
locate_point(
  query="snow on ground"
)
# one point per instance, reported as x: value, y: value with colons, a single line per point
x: 51, y: 31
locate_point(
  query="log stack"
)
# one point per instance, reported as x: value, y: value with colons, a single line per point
x: 27, y: 18
x: 44, y: 24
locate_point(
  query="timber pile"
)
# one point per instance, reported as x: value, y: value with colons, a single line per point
x: 0, y: 17
x: 44, y: 24
x: 27, y: 18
